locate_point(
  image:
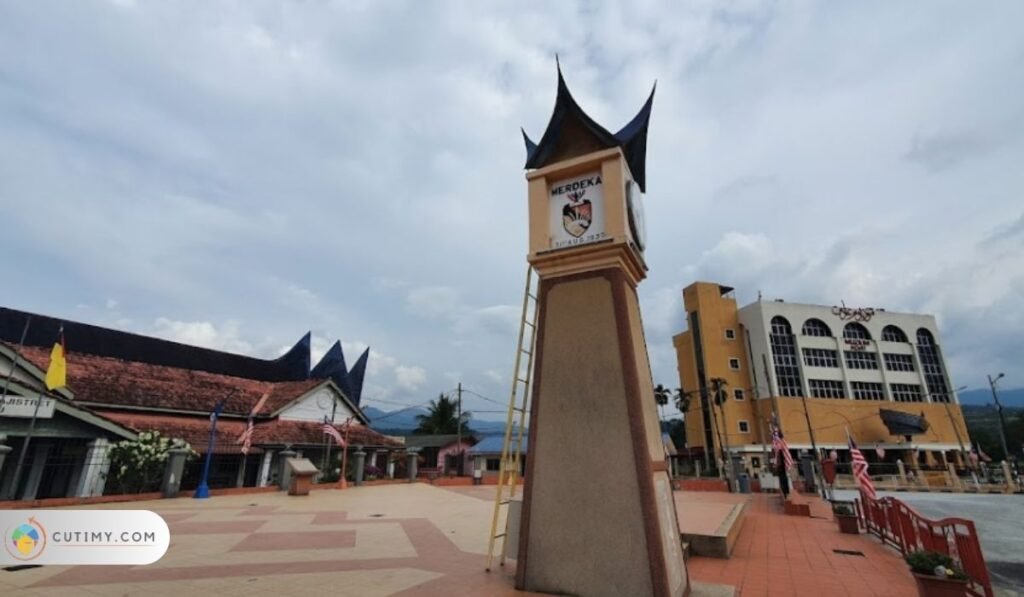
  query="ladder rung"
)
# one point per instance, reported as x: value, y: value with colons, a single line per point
x: 522, y: 380
x: 499, y: 536
x: 532, y: 296
x: 526, y: 352
x: 519, y: 410
x: 529, y: 323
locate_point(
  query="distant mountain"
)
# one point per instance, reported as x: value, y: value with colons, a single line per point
x: 1014, y: 397
x: 400, y: 421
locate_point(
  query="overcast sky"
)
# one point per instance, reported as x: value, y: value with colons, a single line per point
x: 233, y: 174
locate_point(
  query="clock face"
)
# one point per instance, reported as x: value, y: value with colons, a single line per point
x: 635, y: 206
x: 324, y: 400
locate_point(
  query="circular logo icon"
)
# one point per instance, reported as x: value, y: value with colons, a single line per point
x: 26, y: 541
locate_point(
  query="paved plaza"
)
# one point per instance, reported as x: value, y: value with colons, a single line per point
x: 417, y: 539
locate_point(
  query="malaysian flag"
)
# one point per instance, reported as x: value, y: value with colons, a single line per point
x: 860, y: 472
x: 246, y: 438
x: 333, y: 432
x: 780, y: 445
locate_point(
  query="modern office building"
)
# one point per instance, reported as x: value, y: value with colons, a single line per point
x: 822, y: 372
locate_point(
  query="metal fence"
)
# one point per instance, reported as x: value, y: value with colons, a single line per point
x: 899, y: 525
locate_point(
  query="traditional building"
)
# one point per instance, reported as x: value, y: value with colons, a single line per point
x: 878, y: 375
x: 119, y: 384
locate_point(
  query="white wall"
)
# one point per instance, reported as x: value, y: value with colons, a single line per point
x: 316, y: 405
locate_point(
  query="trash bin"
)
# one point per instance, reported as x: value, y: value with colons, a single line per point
x: 744, y: 482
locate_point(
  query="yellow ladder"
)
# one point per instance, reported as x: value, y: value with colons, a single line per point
x: 512, y: 448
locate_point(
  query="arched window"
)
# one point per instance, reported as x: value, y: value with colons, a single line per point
x: 855, y: 331
x: 931, y: 365
x: 816, y: 327
x: 891, y: 333
x: 787, y: 366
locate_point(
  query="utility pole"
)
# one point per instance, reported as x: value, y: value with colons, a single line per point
x: 999, y: 409
x: 948, y: 398
x: 458, y: 467
x: 757, y: 402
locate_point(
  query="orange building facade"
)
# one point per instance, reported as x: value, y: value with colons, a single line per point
x: 862, y: 372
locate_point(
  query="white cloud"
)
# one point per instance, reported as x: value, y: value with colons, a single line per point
x: 410, y: 378
x: 274, y: 165
x: 202, y: 333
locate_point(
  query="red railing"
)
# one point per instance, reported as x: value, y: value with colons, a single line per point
x: 905, y: 529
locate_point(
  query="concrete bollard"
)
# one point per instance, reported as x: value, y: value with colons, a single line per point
x: 359, y: 462
x: 903, y: 472
x: 172, y: 472
x: 284, y: 472
x: 953, y: 476
x: 412, y: 466
x: 1011, y: 485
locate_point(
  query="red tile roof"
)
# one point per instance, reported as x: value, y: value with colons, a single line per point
x: 195, y: 430
x: 280, y: 431
x: 116, y: 382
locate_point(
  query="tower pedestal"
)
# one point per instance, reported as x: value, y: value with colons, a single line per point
x: 598, y: 513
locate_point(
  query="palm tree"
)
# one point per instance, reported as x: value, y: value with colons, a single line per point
x: 683, y: 399
x: 720, y: 395
x: 662, y: 396
x: 442, y: 418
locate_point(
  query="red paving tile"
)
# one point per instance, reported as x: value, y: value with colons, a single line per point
x: 780, y: 555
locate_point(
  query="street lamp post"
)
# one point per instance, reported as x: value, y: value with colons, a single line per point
x: 999, y: 409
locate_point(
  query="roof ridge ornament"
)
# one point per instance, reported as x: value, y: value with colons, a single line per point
x: 568, y: 119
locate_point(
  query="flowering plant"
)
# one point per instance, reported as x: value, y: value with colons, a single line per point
x: 138, y: 465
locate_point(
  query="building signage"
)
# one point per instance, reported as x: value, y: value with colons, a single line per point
x: 856, y: 343
x: 22, y: 406
x: 577, y: 211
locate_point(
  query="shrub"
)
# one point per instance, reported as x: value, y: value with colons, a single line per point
x: 842, y: 510
x: 138, y: 466
x: 932, y: 563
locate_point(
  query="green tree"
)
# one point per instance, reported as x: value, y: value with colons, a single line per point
x: 662, y: 395
x: 442, y: 418
x: 683, y: 400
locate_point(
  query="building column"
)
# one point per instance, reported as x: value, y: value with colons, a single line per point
x: 391, y: 465
x: 264, y: 476
x: 240, y: 478
x: 93, y: 478
x: 35, y: 474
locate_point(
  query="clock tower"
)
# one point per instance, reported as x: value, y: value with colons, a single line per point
x: 598, y: 513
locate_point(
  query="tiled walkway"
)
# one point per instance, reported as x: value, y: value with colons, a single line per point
x: 791, y: 555
x: 421, y: 540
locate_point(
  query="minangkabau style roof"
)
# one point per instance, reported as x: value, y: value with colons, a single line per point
x: 571, y: 133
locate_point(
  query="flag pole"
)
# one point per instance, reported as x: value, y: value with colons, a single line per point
x: 203, y: 490
x: 344, y: 455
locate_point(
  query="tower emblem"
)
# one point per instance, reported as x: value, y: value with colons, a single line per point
x: 577, y: 213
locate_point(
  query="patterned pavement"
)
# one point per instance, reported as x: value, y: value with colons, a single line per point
x: 417, y: 539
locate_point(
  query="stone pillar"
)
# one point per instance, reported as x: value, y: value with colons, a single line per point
x: 284, y: 475
x: 902, y: 471
x: 1011, y: 485
x: 479, y: 464
x: 176, y: 458
x: 391, y: 465
x: 359, y: 462
x: 955, y: 480
x: 696, y: 467
x: 35, y: 474
x: 4, y: 451
x: 412, y: 465
x: 264, y: 478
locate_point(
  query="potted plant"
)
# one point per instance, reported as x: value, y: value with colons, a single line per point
x: 936, y: 575
x: 849, y: 523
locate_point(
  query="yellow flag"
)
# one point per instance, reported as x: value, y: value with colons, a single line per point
x: 57, y: 373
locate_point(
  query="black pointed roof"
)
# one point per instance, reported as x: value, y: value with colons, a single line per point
x: 571, y: 133
x: 106, y: 342
x: 332, y: 366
